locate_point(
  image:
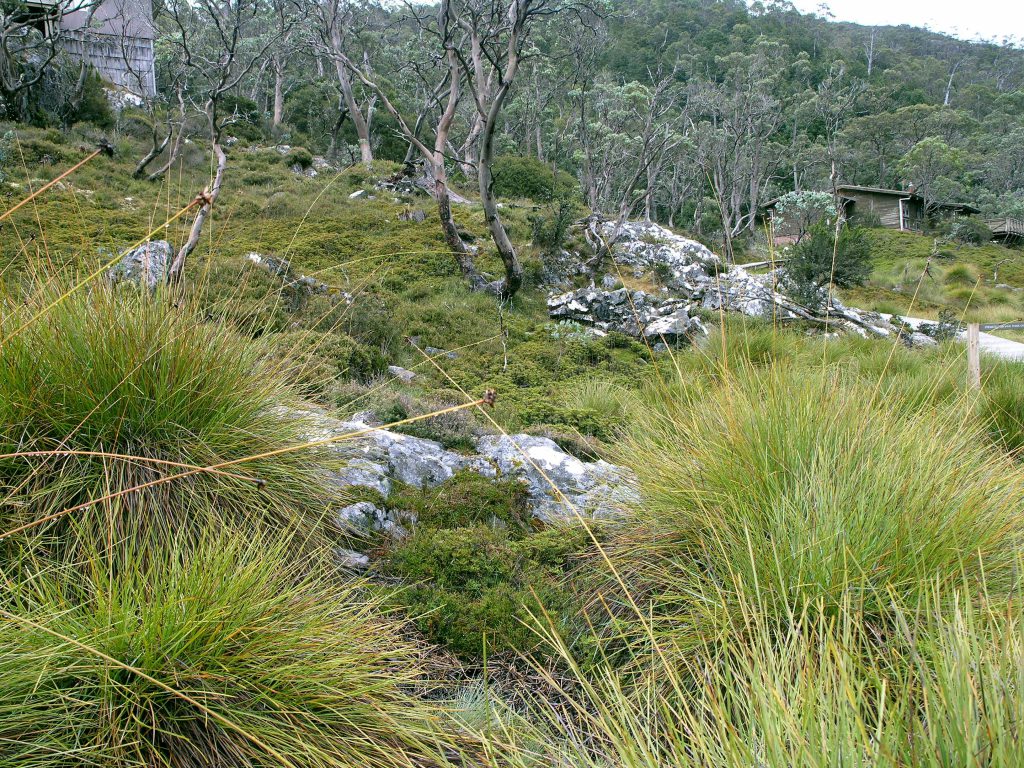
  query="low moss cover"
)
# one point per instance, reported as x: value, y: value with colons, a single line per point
x: 474, y: 566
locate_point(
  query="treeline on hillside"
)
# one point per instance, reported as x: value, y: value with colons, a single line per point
x: 690, y: 112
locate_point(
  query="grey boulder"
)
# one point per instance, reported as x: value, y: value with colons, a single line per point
x: 675, y: 328
x: 634, y: 313
x: 350, y: 560
x: 374, y: 458
x: 401, y: 374
x: 591, y: 489
x: 644, y: 245
x: 145, y: 265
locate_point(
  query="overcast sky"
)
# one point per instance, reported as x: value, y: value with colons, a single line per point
x: 967, y: 19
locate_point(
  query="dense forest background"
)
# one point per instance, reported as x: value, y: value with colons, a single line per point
x: 693, y: 113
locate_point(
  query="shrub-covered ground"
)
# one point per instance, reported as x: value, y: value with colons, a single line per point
x: 980, y: 283
x: 823, y: 568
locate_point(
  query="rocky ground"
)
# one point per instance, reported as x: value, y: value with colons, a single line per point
x: 695, y: 279
x: 560, y: 487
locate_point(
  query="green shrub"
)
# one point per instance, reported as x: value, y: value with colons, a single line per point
x: 370, y: 319
x: 116, y: 372
x: 299, y: 156
x: 314, y: 362
x: 247, y: 117
x: 969, y: 230
x: 517, y: 177
x: 472, y: 586
x: 550, y: 228
x: 310, y: 109
x: 867, y: 220
x: 45, y: 149
x: 93, y: 106
x: 822, y: 258
x: 228, y: 656
x: 361, y: 175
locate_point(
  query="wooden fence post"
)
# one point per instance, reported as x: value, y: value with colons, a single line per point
x: 973, y: 359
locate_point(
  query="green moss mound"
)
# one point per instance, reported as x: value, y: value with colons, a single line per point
x: 475, y: 590
x: 474, y: 568
x: 466, y: 500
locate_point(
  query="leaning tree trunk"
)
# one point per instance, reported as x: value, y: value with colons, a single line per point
x: 463, y: 257
x: 360, y: 122
x: 154, y: 151
x: 208, y: 197
x: 178, y: 134
x: 513, y: 280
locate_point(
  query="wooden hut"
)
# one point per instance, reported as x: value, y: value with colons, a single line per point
x: 904, y: 210
x: 116, y: 37
x: 895, y: 209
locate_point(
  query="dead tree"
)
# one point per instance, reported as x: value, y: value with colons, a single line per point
x: 163, y: 134
x: 217, y: 52
x: 337, y: 26
x: 176, y: 125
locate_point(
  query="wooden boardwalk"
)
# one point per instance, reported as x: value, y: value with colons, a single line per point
x: 1007, y: 228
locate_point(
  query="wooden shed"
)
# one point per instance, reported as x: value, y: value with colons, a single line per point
x: 116, y: 37
x: 896, y: 209
x: 904, y: 210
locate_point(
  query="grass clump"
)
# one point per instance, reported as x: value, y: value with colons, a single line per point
x: 1001, y: 404
x: 224, y: 654
x: 943, y: 689
x: 129, y: 391
x: 804, y: 488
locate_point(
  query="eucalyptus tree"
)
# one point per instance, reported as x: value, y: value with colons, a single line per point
x: 496, y: 41
x: 339, y: 25
x: 631, y: 133
x: 436, y: 62
x: 284, y: 26
x: 737, y: 132
x: 478, y: 47
x: 935, y: 169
